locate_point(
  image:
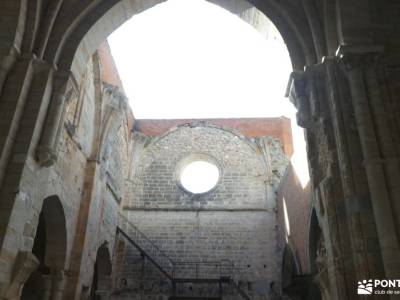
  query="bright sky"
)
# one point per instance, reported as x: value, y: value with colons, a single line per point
x: 207, y: 172
x: 193, y: 59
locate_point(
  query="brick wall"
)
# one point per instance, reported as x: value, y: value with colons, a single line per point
x: 279, y: 128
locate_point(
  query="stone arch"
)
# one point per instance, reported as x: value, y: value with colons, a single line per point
x: 49, y: 248
x: 101, y: 284
x: 78, y: 39
x: 56, y: 232
x: 70, y: 42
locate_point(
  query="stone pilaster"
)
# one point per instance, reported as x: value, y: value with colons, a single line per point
x: 308, y: 93
x: 46, y: 152
x: 381, y: 161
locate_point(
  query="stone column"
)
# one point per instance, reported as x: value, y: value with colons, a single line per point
x: 357, y: 211
x: 354, y: 166
x: 323, y: 96
x: 379, y: 161
x: 309, y: 94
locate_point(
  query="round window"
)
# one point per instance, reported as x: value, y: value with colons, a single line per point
x: 199, y: 176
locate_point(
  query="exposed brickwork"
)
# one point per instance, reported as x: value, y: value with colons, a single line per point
x: 88, y: 190
x: 109, y: 72
x: 278, y: 128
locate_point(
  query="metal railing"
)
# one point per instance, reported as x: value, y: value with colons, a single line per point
x: 203, y: 269
x: 146, y: 247
x: 222, y: 270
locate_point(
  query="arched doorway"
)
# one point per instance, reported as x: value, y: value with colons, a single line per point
x: 50, y: 249
x: 101, y: 284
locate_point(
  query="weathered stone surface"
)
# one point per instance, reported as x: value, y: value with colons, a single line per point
x: 247, y: 170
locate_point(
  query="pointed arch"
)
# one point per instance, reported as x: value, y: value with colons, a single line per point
x: 72, y: 43
x: 101, y: 283
x: 56, y: 232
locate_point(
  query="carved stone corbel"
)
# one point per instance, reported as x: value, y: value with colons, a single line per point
x: 298, y: 96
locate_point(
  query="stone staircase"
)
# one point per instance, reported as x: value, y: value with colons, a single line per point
x: 190, y: 272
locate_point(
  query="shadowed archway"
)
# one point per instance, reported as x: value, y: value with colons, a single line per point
x: 101, y: 284
x: 50, y: 249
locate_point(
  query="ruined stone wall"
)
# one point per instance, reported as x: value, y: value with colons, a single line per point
x: 97, y: 165
x: 65, y: 178
x: 234, y: 221
x: 243, y: 165
x: 85, y: 172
